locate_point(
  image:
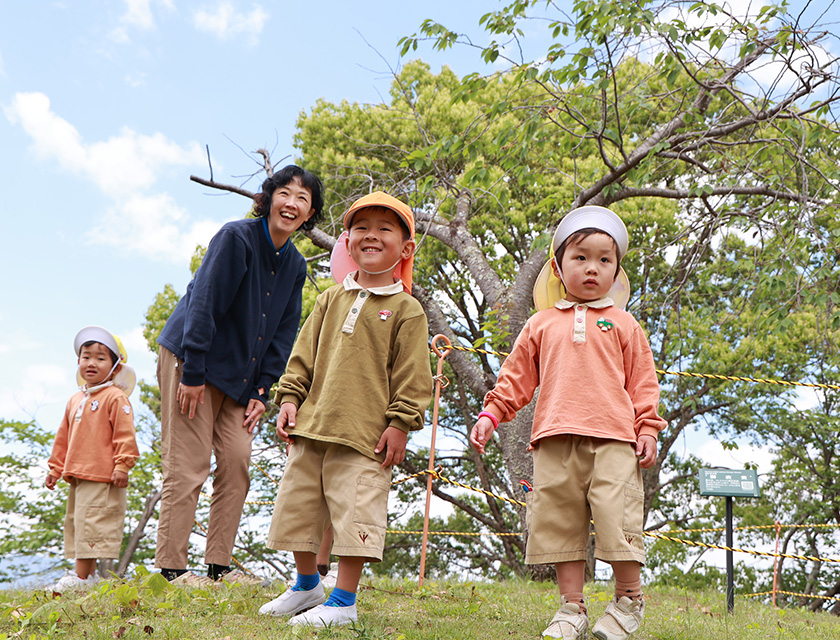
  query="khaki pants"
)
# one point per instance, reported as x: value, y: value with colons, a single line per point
x: 186, y: 446
x: 575, y: 478
x: 93, y: 525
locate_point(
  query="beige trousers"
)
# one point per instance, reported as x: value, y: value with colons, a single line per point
x: 186, y: 447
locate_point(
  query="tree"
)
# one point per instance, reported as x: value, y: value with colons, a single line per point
x: 727, y: 184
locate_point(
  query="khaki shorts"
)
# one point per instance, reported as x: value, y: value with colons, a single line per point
x: 93, y: 526
x: 331, y: 483
x: 576, y: 478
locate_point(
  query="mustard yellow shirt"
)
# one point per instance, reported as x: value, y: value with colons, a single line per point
x: 360, y: 364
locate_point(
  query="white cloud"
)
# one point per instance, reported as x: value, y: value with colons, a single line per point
x: 125, y: 167
x: 138, y: 15
x: 153, y: 226
x: 2, y: 68
x: 226, y: 22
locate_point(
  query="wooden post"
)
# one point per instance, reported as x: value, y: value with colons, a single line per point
x: 439, y: 378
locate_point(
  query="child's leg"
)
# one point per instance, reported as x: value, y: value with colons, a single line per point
x: 349, y: 573
x: 85, y: 567
x: 307, y: 571
x: 628, y: 579
x: 322, y: 560
x: 570, y: 578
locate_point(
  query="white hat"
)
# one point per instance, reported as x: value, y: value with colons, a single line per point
x: 592, y: 217
x: 125, y: 378
x: 548, y: 288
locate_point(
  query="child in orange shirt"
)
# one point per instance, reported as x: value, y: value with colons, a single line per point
x: 595, y: 424
x: 93, y: 451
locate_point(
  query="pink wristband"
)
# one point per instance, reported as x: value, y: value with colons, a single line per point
x: 493, y: 419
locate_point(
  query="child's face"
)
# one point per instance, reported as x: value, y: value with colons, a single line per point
x: 95, y: 363
x: 589, y: 268
x: 376, y: 242
x: 291, y: 206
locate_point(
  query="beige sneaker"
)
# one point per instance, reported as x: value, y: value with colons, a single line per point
x: 240, y: 577
x: 192, y: 580
x: 569, y: 623
x: 620, y: 620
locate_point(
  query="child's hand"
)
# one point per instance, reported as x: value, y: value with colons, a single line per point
x: 252, y: 414
x: 646, y: 451
x: 49, y: 483
x: 481, y: 433
x: 285, y: 421
x: 393, y: 441
x: 119, y: 479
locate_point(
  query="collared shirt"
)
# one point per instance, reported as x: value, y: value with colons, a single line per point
x: 362, y: 296
x: 579, y: 326
x: 351, y: 385
x: 595, y: 370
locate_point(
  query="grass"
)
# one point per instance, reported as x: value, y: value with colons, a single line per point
x: 148, y: 607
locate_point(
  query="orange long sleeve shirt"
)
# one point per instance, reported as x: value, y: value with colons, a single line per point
x: 593, y: 364
x: 96, y: 437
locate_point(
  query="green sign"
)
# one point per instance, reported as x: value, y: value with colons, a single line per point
x: 738, y: 483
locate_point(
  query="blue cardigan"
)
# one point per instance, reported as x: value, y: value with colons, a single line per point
x: 235, y: 325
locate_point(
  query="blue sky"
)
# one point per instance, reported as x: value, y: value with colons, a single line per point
x: 105, y: 111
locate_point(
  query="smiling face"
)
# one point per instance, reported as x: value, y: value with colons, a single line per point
x: 291, y: 206
x: 95, y: 363
x: 589, y: 267
x: 377, y: 242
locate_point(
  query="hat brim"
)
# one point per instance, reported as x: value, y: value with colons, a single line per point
x: 96, y: 334
x: 548, y: 290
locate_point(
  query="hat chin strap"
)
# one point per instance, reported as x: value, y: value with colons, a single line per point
x: 378, y: 273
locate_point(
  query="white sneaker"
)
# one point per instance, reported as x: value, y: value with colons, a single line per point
x: 569, y: 623
x: 620, y: 620
x: 291, y: 602
x: 324, y: 616
x: 70, y: 581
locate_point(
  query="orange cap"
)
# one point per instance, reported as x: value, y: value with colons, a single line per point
x: 405, y: 268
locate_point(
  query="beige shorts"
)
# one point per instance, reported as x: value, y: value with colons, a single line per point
x: 93, y: 526
x: 331, y: 483
x: 576, y: 478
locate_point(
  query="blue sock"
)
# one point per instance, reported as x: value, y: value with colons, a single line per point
x: 306, y: 583
x: 341, y: 598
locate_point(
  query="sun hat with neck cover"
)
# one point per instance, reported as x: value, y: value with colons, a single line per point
x: 549, y: 289
x: 340, y: 261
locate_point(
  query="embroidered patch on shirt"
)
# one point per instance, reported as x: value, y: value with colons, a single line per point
x: 604, y: 324
x: 384, y: 314
x: 94, y: 405
x: 127, y: 409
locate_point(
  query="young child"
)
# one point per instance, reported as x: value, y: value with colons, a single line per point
x: 595, y: 423
x: 93, y: 451
x: 357, y: 382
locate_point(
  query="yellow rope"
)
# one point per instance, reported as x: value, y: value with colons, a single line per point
x: 705, y: 545
x: 788, y: 593
x: 713, y: 376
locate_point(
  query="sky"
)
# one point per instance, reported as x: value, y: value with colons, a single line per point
x: 107, y: 108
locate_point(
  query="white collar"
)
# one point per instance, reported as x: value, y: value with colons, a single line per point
x: 350, y: 284
x: 601, y: 303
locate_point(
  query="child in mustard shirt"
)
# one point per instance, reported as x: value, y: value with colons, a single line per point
x: 94, y: 450
x: 595, y: 424
x: 358, y: 381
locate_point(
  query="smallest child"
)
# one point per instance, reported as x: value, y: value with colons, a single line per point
x: 94, y: 449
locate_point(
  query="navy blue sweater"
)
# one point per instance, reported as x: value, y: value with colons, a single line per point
x: 235, y: 325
